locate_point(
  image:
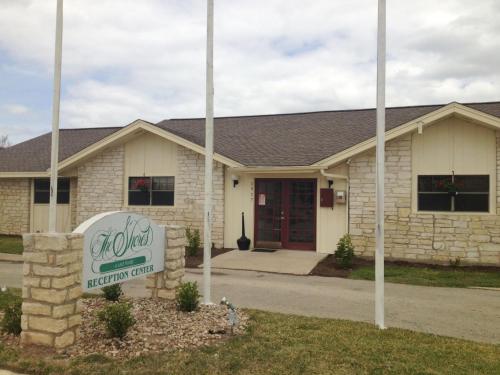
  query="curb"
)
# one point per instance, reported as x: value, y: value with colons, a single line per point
x: 11, y: 258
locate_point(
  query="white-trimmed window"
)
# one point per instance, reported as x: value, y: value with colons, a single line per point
x: 151, y: 191
x: 42, y: 191
x: 454, y: 193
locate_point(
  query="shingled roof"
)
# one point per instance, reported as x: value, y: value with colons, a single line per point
x: 34, y: 154
x: 297, y: 139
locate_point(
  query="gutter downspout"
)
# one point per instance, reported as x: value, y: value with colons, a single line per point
x: 341, y: 177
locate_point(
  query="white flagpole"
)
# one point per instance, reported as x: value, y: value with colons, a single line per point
x: 56, y: 101
x: 209, y: 154
x: 380, y: 164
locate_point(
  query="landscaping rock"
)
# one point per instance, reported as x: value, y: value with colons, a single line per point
x: 159, y: 327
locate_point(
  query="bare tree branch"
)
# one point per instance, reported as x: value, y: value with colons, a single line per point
x: 4, y: 141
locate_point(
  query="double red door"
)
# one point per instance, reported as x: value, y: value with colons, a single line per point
x: 285, y: 213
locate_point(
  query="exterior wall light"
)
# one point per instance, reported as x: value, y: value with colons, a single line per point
x: 235, y: 180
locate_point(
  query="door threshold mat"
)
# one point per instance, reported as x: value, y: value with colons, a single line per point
x: 261, y: 250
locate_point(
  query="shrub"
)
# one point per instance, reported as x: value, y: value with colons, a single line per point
x: 187, y: 296
x: 455, y: 263
x: 117, y: 318
x: 344, y: 255
x: 194, y: 241
x: 112, y: 292
x: 11, y: 322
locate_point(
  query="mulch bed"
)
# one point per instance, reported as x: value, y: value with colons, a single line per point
x: 195, y: 261
x: 327, y: 267
x: 159, y: 327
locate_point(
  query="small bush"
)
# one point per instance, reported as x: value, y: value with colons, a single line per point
x: 344, y: 255
x: 112, y: 292
x: 117, y: 319
x: 194, y: 241
x: 455, y: 263
x: 11, y: 322
x: 187, y: 296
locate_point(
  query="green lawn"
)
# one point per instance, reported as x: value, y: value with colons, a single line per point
x: 11, y: 244
x: 286, y: 344
x: 452, y: 277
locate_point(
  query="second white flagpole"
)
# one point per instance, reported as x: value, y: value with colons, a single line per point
x: 380, y: 164
x: 209, y: 154
x: 56, y: 101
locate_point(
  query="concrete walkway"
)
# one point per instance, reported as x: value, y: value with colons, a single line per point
x: 10, y: 258
x: 472, y: 314
x: 293, y: 262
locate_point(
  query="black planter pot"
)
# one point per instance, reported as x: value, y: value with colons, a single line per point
x: 243, y: 241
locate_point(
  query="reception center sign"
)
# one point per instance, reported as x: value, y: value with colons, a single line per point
x: 120, y: 246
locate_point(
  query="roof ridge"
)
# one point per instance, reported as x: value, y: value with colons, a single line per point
x: 91, y: 128
x: 327, y: 111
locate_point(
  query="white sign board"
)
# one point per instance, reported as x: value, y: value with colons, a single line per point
x: 120, y: 246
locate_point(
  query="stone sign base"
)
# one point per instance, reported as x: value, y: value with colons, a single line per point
x: 163, y: 284
x: 51, y: 289
x: 51, y: 313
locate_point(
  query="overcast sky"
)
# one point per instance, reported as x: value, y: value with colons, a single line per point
x: 126, y: 59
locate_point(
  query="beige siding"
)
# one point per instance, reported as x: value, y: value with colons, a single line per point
x: 150, y: 155
x: 455, y: 145
x: 330, y: 224
x: 40, y: 218
x: 65, y: 215
x: 434, y: 237
x: 14, y: 205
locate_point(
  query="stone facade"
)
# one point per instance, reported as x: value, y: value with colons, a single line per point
x: 51, y: 289
x: 426, y: 237
x: 101, y: 184
x: 163, y: 284
x: 15, y: 195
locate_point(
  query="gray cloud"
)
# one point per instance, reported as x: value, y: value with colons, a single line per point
x: 128, y: 59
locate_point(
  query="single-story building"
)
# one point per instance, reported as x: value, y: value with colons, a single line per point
x: 302, y: 180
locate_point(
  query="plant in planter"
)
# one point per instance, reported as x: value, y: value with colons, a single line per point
x: 193, y: 241
x: 117, y: 318
x: 141, y: 184
x: 450, y: 186
x: 11, y: 322
x: 187, y: 296
x: 344, y: 255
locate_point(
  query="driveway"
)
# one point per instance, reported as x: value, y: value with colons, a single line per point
x: 464, y: 313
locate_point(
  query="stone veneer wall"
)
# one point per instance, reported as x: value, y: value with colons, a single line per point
x: 416, y: 236
x: 163, y: 284
x: 15, y: 195
x: 51, y: 289
x: 101, y: 184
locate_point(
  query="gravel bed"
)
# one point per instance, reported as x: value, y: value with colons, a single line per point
x: 159, y: 327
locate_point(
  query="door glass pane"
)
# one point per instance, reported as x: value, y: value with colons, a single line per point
x: 301, y: 215
x: 269, y: 211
